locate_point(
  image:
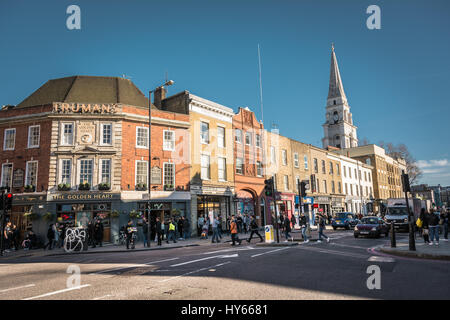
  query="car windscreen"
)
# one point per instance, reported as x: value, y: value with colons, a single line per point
x: 402, y: 211
x: 369, y: 221
x: 341, y: 215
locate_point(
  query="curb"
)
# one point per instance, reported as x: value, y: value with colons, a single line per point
x: 416, y: 254
x: 281, y: 244
x: 120, y: 251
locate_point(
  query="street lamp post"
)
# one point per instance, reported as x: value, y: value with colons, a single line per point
x: 168, y: 83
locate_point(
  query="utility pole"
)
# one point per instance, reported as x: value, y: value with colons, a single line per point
x: 406, y: 189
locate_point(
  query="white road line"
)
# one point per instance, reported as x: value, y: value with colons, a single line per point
x: 260, y: 254
x: 132, y: 266
x: 99, y: 298
x: 195, y: 271
x: 380, y: 259
x: 58, y: 292
x: 193, y: 261
x: 346, y: 245
x: 347, y: 254
x: 16, y: 288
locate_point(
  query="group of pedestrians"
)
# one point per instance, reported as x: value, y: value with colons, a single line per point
x: 10, y: 237
x: 430, y: 222
x: 169, y: 230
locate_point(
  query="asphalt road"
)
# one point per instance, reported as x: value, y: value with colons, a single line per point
x: 335, y: 270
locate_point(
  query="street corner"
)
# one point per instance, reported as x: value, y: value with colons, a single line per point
x: 423, y: 251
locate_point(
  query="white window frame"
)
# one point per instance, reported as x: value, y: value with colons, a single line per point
x: 305, y: 160
x: 273, y: 155
x: 61, y: 169
x: 100, y: 170
x: 258, y: 140
x: 172, y: 141
x: 203, y: 141
x: 29, y: 137
x: 219, y: 159
x: 173, y: 173
x: 209, y: 166
x: 221, y: 140
x: 259, y: 167
x: 79, y: 171
x: 296, y: 160
x: 238, y: 138
x: 11, y: 176
x: 4, y: 139
x: 135, y: 172
x: 63, y: 142
x: 286, y: 182
x: 242, y: 163
x: 250, y: 138
x: 27, y: 182
x: 284, y: 156
x: 147, y: 142
x: 102, y: 143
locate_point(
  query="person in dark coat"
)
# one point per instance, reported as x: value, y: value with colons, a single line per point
x: 287, y: 229
x: 98, y: 232
x: 425, y: 230
x: 254, y: 229
x: 159, y: 230
x: 180, y: 227
x: 91, y: 232
x: 50, y: 237
x: 433, y: 225
x: 186, y: 228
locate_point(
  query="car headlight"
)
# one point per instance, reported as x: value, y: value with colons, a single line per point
x: 374, y: 229
x: 356, y: 228
x: 405, y: 220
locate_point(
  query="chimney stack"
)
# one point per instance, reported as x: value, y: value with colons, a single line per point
x: 160, y: 94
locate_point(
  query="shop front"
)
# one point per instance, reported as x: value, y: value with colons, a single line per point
x: 337, y: 205
x: 78, y: 209
x: 27, y: 211
x: 285, y: 204
x: 324, y: 205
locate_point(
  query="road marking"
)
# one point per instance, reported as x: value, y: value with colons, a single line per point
x: 322, y: 250
x: 99, y: 298
x: 232, y: 249
x: 193, y: 261
x: 260, y: 254
x: 380, y: 259
x: 132, y: 266
x: 58, y: 292
x: 22, y: 287
x: 195, y: 271
x: 347, y: 245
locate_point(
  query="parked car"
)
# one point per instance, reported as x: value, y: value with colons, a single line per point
x: 372, y: 227
x: 345, y: 220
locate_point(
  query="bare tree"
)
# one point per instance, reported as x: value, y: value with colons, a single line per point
x: 401, y: 151
x: 364, y: 142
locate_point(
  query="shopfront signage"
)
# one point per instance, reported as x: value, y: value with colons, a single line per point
x: 85, y: 196
x: 323, y: 199
x: 63, y: 107
x: 18, y: 178
x: 156, y: 175
x: 28, y: 198
x: 159, y: 206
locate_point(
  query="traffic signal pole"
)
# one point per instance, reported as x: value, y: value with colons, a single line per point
x: 406, y: 188
x: 3, y: 200
x: 276, y: 209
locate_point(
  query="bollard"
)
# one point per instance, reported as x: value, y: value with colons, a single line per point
x: 393, y: 242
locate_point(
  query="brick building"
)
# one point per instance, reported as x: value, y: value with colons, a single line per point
x: 249, y: 164
x: 77, y: 148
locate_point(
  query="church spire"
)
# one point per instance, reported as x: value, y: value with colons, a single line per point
x: 336, y: 89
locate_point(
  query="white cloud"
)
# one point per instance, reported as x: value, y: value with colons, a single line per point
x: 435, y: 171
x: 432, y: 163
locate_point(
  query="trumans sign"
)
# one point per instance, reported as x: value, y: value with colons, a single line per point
x: 63, y: 107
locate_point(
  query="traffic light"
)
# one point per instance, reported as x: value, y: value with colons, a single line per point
x: 268, y: 188
x: 8, y: 201
x: 405, y: 182
x: 302, y: 189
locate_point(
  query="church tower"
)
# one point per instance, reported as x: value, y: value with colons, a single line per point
x: 339, y: 130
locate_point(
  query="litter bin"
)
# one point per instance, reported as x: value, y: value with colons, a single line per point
x: 269, y: 234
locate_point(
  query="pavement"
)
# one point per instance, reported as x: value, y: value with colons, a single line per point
x: 423, y: 251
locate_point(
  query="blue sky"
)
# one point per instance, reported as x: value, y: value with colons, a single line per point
x: 396, y: 79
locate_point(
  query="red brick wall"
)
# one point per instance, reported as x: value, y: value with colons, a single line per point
x: 130, y: 153
x: 21, y: 154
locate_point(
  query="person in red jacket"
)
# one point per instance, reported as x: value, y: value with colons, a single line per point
x: 234, y: 231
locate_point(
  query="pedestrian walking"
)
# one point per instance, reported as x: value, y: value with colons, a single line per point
x: 254, y: 230
x: 322, y: 219
x: 186, y: 228
x: 50, y: 237
x: 219, y: 227
x: 145, y: 232
x: 200, y: 222
x: 180, y: 228
x: 171, y: 231
x: 90, y: 232
x: 444, y: 222
x: 98, y: 232
x: 245, y: 222
x: 239, y: 221
x: 433, y: 224
x: 293, y: 221
x: 56, y: 233
x: 304, y: 226
x: 130, y: 234
x: 215, y: 230
x: 205, y: 229
x: 234, y: 231
x: 159, y: 230
x: 287, y: 229
x: 424, y: 229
